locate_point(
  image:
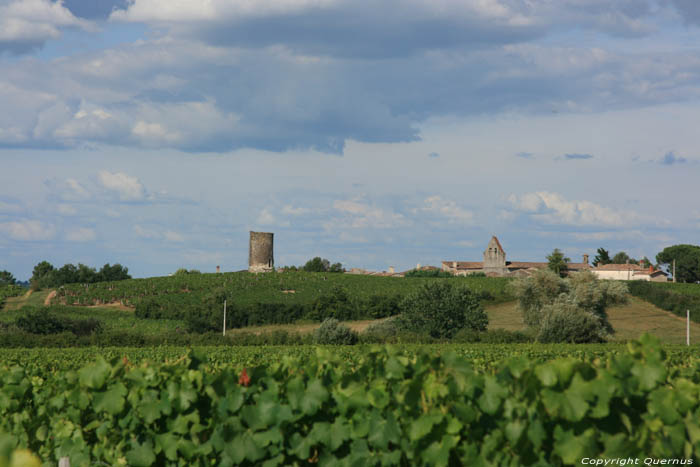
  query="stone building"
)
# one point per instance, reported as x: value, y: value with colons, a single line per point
x: 495, y: 264
x: 260, y: 252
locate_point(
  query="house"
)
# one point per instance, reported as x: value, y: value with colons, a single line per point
x: 629, y: 272
x: 495, y: 264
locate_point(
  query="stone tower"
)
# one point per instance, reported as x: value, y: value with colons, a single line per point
x: 495, y: 258
x: 260, y: 257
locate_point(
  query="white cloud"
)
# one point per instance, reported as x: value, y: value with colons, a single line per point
x: 145, y: 232
x: 201, y: 257
x: 81, y: 234
x: 553, y: 208
x: 171, y: 236
x: 295, y: 211
x: 447, y: 209
x: 129, y: 188
x: 66, y: 210
x: 28, y: 230
x: 360, y: 215
x: 25, y: 24
x: 267, y: 218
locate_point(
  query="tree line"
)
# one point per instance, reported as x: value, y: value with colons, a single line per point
x: 46, y: 275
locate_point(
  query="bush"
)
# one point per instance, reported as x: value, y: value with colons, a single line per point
x: 336, y: 304
x: 441, y: 309
x: 47, y: 322
x: 567, y: 322
x: 542, y: 288
x: 428, y: 273
x: 333, y: 333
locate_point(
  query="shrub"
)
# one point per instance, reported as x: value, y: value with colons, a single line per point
x: 428, y: 273
x: 333, y: 333
x: 565, y: 321
x: 39, y: 322
x: 533, y: 292
x: 336, y: 304
x: 441, y: 309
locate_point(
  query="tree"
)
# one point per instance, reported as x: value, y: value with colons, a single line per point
x: 117, y: 272
x: 687, y: 261
x: 319, y: 264
x: 441, y: 309
x: 645, y: 262
x: 6, y: 278
x: 41, y: 274
x: 623, y: 258
x: 602, y: 257
x: 568, y: 310
x: 557, y: 262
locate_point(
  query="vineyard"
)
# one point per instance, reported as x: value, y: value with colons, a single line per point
x: 8, y: 291
x: 292, y: 287
x: 356, y: 406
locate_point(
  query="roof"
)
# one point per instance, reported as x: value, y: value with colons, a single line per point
x: 512, y: 265
x: 618, y: 267
x: 465, y: 264
x: 497, y: 243
x: 650, y: 273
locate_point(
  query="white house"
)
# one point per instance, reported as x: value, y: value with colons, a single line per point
x: 629, y: 272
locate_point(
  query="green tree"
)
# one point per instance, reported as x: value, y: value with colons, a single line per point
x: 602, y: 257
x: 557, y: 262
x: 687, y: 261
x: 41, y: 275
x: 317, y: 264
x: 623, y: 258
x: 441, y: 309
x: 6, y: 278
x: 567, y: 310
x: 116, y: 272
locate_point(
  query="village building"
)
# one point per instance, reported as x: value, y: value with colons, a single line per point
x: 629, y: 272
x: 496, y: 265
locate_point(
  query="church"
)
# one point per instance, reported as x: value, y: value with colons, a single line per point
x: 495, y: 264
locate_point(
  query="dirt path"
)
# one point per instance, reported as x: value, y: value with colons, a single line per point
x: 47, y: 300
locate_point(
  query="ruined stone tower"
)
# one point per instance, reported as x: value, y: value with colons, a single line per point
x: 260, y: 257
x: 495, y: 258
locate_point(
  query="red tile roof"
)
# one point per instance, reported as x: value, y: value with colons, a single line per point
x: 618, y: 267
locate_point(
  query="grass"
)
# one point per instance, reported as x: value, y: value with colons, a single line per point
x: 30, y: 298
x: 630, y: 321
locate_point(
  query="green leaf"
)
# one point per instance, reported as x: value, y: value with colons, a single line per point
x: 94, y: 376
x: 423, y: 425
x: 546, y: 374
x: 142, y: 455
x: 111, y: 400
x: 314, y: 396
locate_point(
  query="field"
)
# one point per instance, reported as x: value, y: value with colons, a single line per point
x: 359, y: 406
x: 288, y: 287
x: 403, y: 404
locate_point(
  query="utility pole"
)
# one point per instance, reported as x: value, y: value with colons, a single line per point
x: 224, y: 317
x: 674, y: 270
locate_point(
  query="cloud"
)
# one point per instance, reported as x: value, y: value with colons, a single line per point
x: 670, y: 158
x: 9, y: 207
x: 144, y: 232
x: 28, y: 230
x: 433, y: 155
x: 127, y: 187
x: 267, y: 218
x: 295, y: 211
x: 577, y: 156
x: 359, y: 215
x: 553, y: 208
x: 28, y: 24
x: 524, y: 155
x: 66, y: 210
x: 81, y: 234
x: 170, y: 236
x: 446, y: 209
x: 689, y: 10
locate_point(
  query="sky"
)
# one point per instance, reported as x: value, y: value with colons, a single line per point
x: 158, y: 133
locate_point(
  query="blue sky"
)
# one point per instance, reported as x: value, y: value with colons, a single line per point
x: 157, y: 133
